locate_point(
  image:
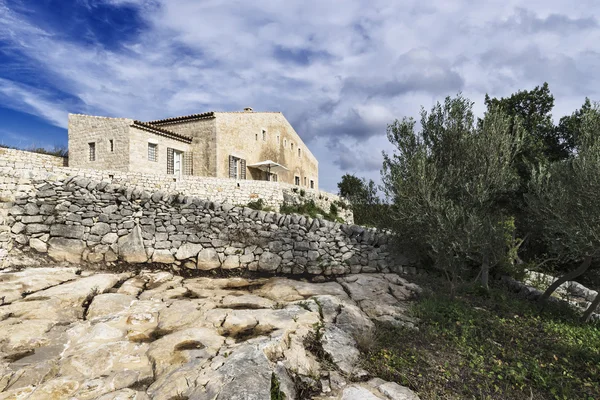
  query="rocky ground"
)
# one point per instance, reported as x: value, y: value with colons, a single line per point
x: 66, y: 333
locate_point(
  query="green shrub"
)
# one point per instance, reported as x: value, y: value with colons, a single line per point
x: 333, y: 210
x: 310, y: 209
x: 256, y: 204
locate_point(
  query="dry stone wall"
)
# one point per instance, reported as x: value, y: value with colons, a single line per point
x: 82, y: 220
x: 18, y: 169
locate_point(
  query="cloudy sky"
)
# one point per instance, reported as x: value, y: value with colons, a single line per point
x: 340, y: 71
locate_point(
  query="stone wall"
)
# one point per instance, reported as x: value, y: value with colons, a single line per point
x: 85, y: 129
x: 82, y: 220
x: 24, y: 159
x: 18, y: 169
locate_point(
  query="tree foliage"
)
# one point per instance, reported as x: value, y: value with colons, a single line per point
x: 564, y: 200
x: 366, y: 205
x: 445, y: 182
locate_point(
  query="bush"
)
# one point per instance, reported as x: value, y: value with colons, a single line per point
x: 256, y: 205
x: 259, y: 205
x: 310, y: 209
x: 333, y: 210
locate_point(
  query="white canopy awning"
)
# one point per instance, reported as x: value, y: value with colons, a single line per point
x: 268, y: 166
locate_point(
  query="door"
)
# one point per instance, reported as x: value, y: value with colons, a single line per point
x: 177, y: 163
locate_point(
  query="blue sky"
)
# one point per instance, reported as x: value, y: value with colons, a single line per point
x: 340, y: 71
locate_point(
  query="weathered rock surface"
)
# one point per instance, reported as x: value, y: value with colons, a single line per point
x: 153, y: 335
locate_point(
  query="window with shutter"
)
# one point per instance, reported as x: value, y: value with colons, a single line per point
x: 232, y: 167
x: 242, y: 169
x: 170, y: 161
x: 188, y: 163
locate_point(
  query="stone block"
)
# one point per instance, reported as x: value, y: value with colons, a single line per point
x: 67, y: 231
x: 269, y: 261
x: 65, y: 249
x: 208, y: 259
x: 38, y: 245
x: 188, y: 250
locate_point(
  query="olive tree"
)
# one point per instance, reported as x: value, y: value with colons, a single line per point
x: 445, y: 180
x: 564, y: 199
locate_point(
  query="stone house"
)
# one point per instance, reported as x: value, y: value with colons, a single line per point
x: 239, y: 145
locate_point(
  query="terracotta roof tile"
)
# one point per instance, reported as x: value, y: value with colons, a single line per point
x: 206, y: 115
x: 161, y: 131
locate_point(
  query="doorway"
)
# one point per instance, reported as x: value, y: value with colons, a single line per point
x: 177, y: 163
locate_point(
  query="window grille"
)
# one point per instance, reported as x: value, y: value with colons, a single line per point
x: 152, y: 152
x: 92, y: 151
x: 188, y: 163
x: 170, y: 161
x: 297, y: 180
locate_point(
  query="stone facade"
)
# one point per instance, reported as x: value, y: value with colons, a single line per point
x: 216, y: 144
x: 18, y: 170
x: 81, y: 220
x: 120, y: 144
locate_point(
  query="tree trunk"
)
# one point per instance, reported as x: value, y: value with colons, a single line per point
x: 485, y: 273
x: 587, y: 261
x: 590, y: 310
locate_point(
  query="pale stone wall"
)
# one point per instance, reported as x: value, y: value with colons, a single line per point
x: 85, y: 129
x: 82, y: 220
x: 240, y: 134
x: 138, y: 151
x: 28, y: 158
x: 204, y: 142
x: 17, y: 176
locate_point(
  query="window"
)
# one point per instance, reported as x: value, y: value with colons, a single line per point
x: 264, y: 135
x: 112, y: 145
x: 299, y: 152
x: 278, y: 139
x: 237, y: 168
x: 304, y: 181
x: 92, y: 151
x: 256, y: 136
x: 297, y: 180
x: 284, y: 143
x: 312, y: 184
x: 152, y: 152
x: 292, y: 145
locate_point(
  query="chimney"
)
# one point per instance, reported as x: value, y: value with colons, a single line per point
x: 248, y: 109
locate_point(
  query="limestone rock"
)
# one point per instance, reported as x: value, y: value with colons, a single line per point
x: 231, y: 262
x: 100, y: 229
x: 63, y: 249
x: 393, y: 391
x: 269, y: 261
x: 67, y: 231
x: 188, y: 250
x: 356, y: 392
x: 208, y: 259
x: 38, y: 245
x: 131, y: 247
x: 163, y: 257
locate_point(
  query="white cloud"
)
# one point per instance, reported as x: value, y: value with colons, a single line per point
x: 339, y: 70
